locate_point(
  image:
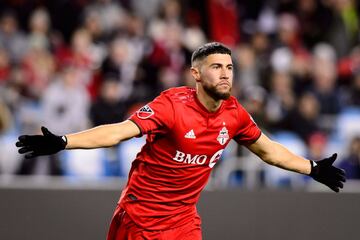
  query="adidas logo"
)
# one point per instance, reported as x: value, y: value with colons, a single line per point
x: 190, y: 134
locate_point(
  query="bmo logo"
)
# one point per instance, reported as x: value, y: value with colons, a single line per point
x: 197, y: 159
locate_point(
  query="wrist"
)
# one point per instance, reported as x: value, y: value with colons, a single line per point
x: 64, y: 141
x: 313, y: 169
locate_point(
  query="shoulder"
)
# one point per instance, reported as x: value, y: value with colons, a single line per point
x: 179, y: 94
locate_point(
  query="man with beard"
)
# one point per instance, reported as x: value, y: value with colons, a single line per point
x: 187, y: 131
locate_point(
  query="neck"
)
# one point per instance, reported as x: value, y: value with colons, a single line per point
x: 208, y: 102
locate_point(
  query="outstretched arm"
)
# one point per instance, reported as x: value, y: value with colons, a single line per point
x: 276, y: 154
x: 102, y: 136
x: 97, y: 137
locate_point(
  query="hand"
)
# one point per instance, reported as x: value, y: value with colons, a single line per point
x: 324, y: 172
x: 37, y: 145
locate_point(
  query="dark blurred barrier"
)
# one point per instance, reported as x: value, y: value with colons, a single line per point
x: 73, y: 213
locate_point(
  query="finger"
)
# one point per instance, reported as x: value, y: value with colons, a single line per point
x: 23, y: 138
x: 329, y: 161
x: 340, y: 185
x: 19, y: 144
x: 45, y: 131
x: 339, y: 174
x: 24, y: 150
x: 334, y: 188
x: 339, y: 171
x: 336, y: 178
x: 30, y: 155
x: 341, y: 178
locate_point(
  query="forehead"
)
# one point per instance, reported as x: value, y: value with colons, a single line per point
x: 218, y: 58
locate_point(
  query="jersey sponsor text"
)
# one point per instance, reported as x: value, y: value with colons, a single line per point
x: 197, y: 159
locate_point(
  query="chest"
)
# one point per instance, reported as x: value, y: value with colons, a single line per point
x: 205, y: 134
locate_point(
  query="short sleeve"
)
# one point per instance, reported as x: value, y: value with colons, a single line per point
x: 154, y: 116
x: 248, y: 132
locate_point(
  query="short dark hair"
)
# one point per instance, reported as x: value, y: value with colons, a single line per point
x: 208, y: 49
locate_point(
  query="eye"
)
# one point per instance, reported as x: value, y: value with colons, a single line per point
x: 216, y: 66
x: 230, y: 68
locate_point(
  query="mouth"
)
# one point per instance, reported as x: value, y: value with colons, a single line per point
x: 224, y: 84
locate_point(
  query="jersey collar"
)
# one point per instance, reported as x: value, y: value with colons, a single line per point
x: 203, y: 109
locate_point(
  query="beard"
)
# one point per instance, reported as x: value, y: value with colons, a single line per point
x: 216, y: 94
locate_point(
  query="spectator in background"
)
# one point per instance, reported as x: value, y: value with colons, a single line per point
x: 5, y: 66
x: 11, y: 38
x: 108, y: 107
x: 254, y: 99
x: 6, y: 124
x: 224, y: 21
x: 39, y: 67
x: 169, y: 13
x: 111, y: 16
x: 82, y: 54
x: 168, y: 78
x: 15, y: 90
x: 290, y: 54
x: 93, y: 25
x: 350, y: 65
x: 354, y: 91
x: 314, y: 19
x: 167, y: 31
x: 38, y: 62
x: 260, y: 43
x: 147, y: 9
x: 5, y: 117
x: 246, y: 65
x: 39, y: 25
x: 325, y: 82
x: 281, y: 99
x: 316, y: 146
x: 344, y: 29
x: 168, y: 54
x: 351, y: 163
x: 147, y: 83
x: 137, y: 39
x: 288, y: 34
x: 193, y: 35
x: 349, y: 71
x: 120, y: 66
x: 179, y: 56
x: 304, y: 118
x: 65, y: 102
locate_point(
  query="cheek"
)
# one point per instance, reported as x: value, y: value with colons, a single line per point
x: 210, y: 77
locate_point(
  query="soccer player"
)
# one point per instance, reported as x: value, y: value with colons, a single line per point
x: 187, y: 131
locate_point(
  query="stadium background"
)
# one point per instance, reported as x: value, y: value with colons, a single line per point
x: 71, y: 65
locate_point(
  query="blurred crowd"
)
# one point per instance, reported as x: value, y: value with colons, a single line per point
x: 71, y: 65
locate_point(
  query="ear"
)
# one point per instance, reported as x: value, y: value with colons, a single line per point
x: 195, y: 72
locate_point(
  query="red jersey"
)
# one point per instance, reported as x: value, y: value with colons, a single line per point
x: 184, y: 142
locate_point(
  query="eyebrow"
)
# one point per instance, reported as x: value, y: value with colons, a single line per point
x: 220, y: 64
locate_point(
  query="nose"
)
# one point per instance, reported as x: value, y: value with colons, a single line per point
x: 224, y: 73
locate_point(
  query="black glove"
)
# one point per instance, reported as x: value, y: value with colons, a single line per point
x: 37, y: 145
x: 323, y: 171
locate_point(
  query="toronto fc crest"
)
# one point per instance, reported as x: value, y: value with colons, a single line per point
x: 223, y: 136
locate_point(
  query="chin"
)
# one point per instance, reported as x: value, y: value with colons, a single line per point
x: 226, y: 96
x: 222, y: 95
x: 217, y: 94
